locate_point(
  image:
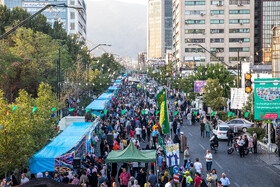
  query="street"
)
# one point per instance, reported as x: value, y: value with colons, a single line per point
x: 242, y: 172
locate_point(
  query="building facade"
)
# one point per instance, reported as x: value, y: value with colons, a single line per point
x: 224, y: 28
x: 159, y: 27
x: 74, y: 21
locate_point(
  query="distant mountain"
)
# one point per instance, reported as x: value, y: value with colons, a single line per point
x: 121, y: 24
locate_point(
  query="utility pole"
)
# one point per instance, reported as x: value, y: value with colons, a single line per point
x: 238, y: 68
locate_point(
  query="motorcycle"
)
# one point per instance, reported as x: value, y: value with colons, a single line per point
x: 235, y: 147
x: 214, y: 147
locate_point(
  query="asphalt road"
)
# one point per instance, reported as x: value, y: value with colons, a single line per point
x: 242, y: 172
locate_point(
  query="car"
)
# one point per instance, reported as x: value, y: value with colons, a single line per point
x: 221, y: 131
x: 240, y: 124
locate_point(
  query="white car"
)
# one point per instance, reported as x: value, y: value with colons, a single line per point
x: 221, y: 131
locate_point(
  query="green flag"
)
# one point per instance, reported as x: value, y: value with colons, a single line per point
x: 163, y: 119
x: 143, y: 112
x: 213, y: 113
x: 247, y: 114
x: 120, y: 98
x: 175, y: 113
x: 123, y: 112
x: 105, y: 112
x: 87, y: 110
x: 194, y: 113
x: 34, y: 109
x: 71, y: 109
x: 14, y: 108
x: 157, y: 112
x: 233, y: 114
x: 229, y: 114
x: 53, y: 109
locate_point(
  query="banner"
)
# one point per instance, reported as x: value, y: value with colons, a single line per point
x: 172, y: 155
x: 199, y: 86
x: 266, y: 98
x: 238, y: 98
x: 163, y: 116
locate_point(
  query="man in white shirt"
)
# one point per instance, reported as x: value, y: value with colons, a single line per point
x: 169, y: 184
x: 198, y: 166
x: 24, y: 179
x: 224, y: 180
x: 209, y: 159
x: 138, y: 131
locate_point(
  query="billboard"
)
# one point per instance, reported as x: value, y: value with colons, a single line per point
x: 266, y: 99
x: 238, y: 98
x: 199, y: 86
x: 172, y: 155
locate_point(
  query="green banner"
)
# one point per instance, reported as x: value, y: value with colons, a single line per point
x: 71, y: 109
x: 105, y: 112
x: 175, y: 113
x: 229, y: 114
x: 247, y: 114
x: 163, y: 119
x: 267, y: 121
x: 194, y: 113
x: 123, y: 112
x: 266, y: 99
x: 157, y: 112
x: 143, y: 112
x: 87, y: 110
x: 213, y: 113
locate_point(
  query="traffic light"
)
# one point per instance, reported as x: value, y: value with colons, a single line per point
x: 248, y: 83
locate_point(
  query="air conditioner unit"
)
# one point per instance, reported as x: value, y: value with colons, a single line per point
x: 211, y: 14
x: 202, y: 14
x: 203, y: 33
x: 241, y: 23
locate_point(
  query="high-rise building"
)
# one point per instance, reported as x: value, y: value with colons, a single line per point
x: 74, y: 21
x: 142, y: 59
x: 225, y: 28
x: 159, y: 27
x: 267, y: 16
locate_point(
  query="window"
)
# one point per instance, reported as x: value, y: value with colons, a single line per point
x: 216, y: 40
x: 72, y: 2
x: 235, y: 40
x: 195, y: 12
x: 217, y: 21
x: 194, y: 40
x: 202, y: 21
x: 194, y: 50
x: 217, y: 50
x: 216, y: 59
x: 239, y: 2
x: 194, y: 3
x: 215, y: 31
x: 239, y: 12
x: 216, y: 12
x: 72, y: 15
x: 218, y: 3
x: 195, y: 31
x: 240, y: 49
x: 235, y: 21
x: 72, y: 26
x: 240, y: 59
x: 239, y: 30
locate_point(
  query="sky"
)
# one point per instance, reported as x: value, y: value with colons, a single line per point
x: 121, y: 23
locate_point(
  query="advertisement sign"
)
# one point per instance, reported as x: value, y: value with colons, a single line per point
x: 199, y: 86
x: 267, y: 101
x: 238, y: 98
x: 172, y: 155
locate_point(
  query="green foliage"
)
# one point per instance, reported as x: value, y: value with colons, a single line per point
x: 22, y: 132
x: 261, y: 132
x: 232, y: 117
x: 213, y: 95
x: 248, y: 107
x: 223, y: 115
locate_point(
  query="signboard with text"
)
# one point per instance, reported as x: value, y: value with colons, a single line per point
x: 199, y: 86
x: 238, y: 98
x: 267, y: 99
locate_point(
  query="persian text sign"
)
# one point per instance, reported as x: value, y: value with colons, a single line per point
x: 199, y: 86
x: 267, y: 99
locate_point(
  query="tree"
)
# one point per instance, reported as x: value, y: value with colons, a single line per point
x: 248, y: 107
x: 213, y: 95
x: 22, y: 131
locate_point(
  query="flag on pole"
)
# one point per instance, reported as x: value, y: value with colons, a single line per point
x: 229, y: 114
x: 14, y: 108
x: 213, y: 113
x: 194, y: 113
x: 34, y: 109
x: 53, y: 109
x: 246, y: 114
x: 175, y: 113
x: 163, y: 116
x: 157, y: 112
x: 87, y: 110
x: 105, y: 112
x: 123, y: 111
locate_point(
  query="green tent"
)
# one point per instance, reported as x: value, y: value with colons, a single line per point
x: 131, y: 154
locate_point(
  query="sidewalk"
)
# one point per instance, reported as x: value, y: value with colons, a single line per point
x: 271, y: 158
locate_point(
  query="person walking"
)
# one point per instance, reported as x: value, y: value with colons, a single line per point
x: 209, y: 159
x: 207, y: 129
x: 224, y: 180
x: 152, y: 178
x: 202, y: 129
x: 240, y: 143
x: 192, y: 171
x: 198, y: 167
x: 124, y: 178
x: 183, y: 140
x: 230, y: 136
x: 186, y: 156
x: 255, y: 142
x: 189, y: 118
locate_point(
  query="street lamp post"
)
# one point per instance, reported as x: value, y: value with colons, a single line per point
x: 34, y: 15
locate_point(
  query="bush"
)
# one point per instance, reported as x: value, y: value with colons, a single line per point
x: 261, y: 132
x: 232, y: 117
x: 223, y: 115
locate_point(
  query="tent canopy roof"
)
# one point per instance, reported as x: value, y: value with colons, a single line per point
x: 131, y: 154
x: 113, y: 88
x: 97, y: 105
x: 105, y: 96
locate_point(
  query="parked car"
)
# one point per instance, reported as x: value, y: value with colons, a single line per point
x: 240, y: 124
x: 221, y: 131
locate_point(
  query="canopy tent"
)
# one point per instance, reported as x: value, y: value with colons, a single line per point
x: 71, y: 143
x: 112, y: 88
x: 105, y: 96
x: 118, y: 81
x: 97, y: 105
x: 96, y: 113
x: 131, y: 154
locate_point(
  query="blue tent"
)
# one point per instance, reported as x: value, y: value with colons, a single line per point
x: 112, y: 88
x: 97, y: 113
x: 97, y: 105
x: 118, y: 81
x: 105, y: 96
x: 70, y: 143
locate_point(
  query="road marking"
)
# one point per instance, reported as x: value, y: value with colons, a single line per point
x: 236, y: 184
x: 202, y: 146
x: 218, y: 164
x: 190, y: 134
x: 245, y: 185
